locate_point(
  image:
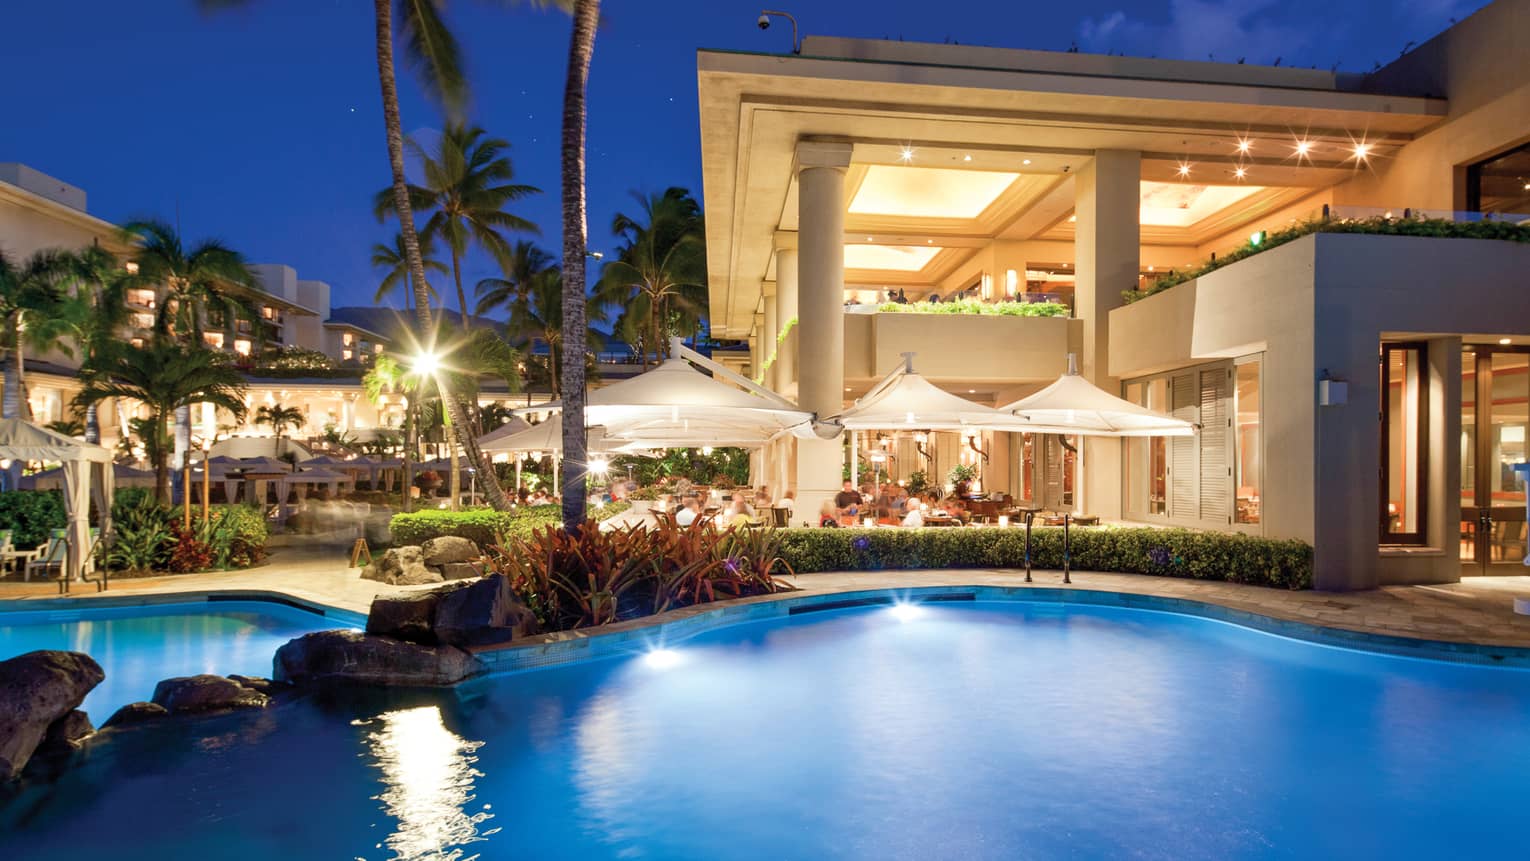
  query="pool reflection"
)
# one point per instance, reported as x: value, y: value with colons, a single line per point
x: 428, y: 776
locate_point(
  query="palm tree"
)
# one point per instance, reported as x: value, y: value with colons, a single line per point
x: 279, y: 418
x: 34, y: 308
x: 467, y: 187
x: 203, y: 283
x: 661, y: 267
x: 101, y: 286
x: 581, y: 49
x: 67, y: 427
x: 395, y: 261
x: 538, y: 317
x: 526, y: 261
x: 165, y: 377
x: 387, y: 376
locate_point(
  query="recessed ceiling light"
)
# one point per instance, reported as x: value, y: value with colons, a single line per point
x: 1184, y: 168
x: 966, y: 158
x: 972, y: 391
x: 1362, y: 150
x: 1241, y: 173
x: 929, y: 242
x: 1150, y: 268
x: 1244, y: 145
x: 1303, y: 148
x: 906, y: 154
x: 1025, y: 161
x: 1505, y: 341
x: 868, y: 239
x: 847, y: 388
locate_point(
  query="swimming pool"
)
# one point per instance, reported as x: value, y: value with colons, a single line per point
x: 139, y: 645
x: 976, y: 730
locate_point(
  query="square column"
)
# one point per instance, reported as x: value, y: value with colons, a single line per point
x: 1107, y: 247
x: 820, y: 313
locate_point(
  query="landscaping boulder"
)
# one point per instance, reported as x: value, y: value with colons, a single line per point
x: 481, y: 611
x: 135, y: 713
x: 448, y: 549
x: 460, y: 570
x: 266, y: 686
x: 409, y: 616
x: 401, y: 566
x: 352, y: 657
x: 206, y: 692
x: 37, y: 689
x: 67, y: 732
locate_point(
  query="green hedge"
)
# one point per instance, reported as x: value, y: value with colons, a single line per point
x: 1165, y: 552
x: 30, y: 514
x: 485, y: 526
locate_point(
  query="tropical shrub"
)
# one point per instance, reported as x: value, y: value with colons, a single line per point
x: 1233, y: 558
x: 975, y: 306
x: 485, y: 526
x: 592, y: 577
x: 31, y: 515
x: 148, y: 536
x: 1378, y: 226
x: 188, y: 552
x: 141, y: 533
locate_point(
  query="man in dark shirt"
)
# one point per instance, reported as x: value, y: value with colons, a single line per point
x: 848, y: 501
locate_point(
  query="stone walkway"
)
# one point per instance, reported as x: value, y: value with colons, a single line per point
x: 1478, y: 610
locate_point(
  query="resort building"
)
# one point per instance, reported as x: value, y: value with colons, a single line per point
x: 1365, y: 393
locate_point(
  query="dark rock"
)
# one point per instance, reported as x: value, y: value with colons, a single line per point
x: 351, y: 656
x: 67, y: 732
x: 401, y: 566
x: 448, y: 549
x: 135, y: 713
x: 206, y: 693
x: 409, y: 616
x: 460, y: 570
x: 476, y: 612
x: 36, y: 689
x: 266, y: 686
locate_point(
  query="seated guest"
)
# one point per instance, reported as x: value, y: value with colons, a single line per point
x: 828, y: 514
x: 689, y: 512
x: 914, y: 517
x: 738, y: 514
x: 787, y: 501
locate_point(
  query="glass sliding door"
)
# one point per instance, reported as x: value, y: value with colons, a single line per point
x: 1404, y: 443
x: 1494, y: 428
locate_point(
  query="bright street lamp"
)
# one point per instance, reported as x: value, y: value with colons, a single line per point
x: 426, y: 364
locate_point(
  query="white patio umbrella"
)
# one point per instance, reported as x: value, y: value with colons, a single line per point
x: 545, y: 436
x: 515, y: 425
x: 1073, y: 405
x: 87, y: 472
x: 906, y: 400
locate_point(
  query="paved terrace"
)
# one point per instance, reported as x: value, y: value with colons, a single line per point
x: 1477, y: 610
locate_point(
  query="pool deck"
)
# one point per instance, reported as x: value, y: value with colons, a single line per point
x: 1477, y: 611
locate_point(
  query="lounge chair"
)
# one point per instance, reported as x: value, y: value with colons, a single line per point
x: 46, y: 559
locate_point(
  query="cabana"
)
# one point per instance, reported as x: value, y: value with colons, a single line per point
x: 88, y: 475
x: 122, y: 475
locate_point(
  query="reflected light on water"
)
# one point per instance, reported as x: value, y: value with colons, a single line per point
x: 906, y: 612
x: 662, y: 659
x: 428, y: 775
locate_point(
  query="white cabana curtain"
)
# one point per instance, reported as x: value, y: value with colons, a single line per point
x: 85, y: 466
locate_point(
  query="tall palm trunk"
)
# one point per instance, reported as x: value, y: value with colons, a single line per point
x: 462, y: 305
x: 182, y: 445
x: 581, y: 48
x: 161, y: 468
x: 15, y: 405
x: 408, y: 458
x: 93, y: 424
x: 383, y: 12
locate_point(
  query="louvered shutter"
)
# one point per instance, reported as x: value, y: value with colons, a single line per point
x: 1215, y: 490
x: 1183, y: 477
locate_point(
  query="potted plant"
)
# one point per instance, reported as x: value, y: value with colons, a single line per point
x: 643, y: 498
x: 962, y: 476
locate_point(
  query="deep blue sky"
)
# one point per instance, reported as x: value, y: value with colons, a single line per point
x: 264, y: 126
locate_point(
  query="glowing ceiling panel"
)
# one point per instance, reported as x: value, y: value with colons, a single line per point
x: 928, y: 192
x: 899, y: 258
x: 1181, y: 204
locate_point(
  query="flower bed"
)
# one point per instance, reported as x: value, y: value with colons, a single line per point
x: 1129, y: 550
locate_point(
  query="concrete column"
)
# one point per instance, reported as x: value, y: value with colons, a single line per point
x: 1107, y: 245
x: 768, y: 334
x: 820, y: 311
x: 786, y: 311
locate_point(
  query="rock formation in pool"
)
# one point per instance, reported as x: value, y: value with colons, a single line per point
x: 40, y: 694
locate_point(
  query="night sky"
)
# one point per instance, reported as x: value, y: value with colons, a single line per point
x: 263, y: 127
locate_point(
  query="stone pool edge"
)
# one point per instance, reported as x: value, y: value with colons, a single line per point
x: 639, y: 635
x: 211, y: 597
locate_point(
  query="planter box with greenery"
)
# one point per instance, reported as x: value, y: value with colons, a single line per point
x: 1129, y: 550
x: 485, y: 526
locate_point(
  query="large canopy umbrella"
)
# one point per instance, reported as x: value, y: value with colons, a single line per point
x: 515, y: 425
x: 678, y: 400
x: 906, y: 400
x: 1073, y: 405
x: 122, y: 475
x: 87, y: 472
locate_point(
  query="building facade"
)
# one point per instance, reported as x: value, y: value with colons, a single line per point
x: 1364, y: 393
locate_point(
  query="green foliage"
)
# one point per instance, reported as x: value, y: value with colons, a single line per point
x: 1130, y: 550
x: 978, y: 307
x: 289, y: 357
x: 1378, y: 226
x: 485, y: 526
x: 918, y: 482
x: 786, y: 329
x: 142, y: 535
x: 962, y: 472
x: 148, y: 536
x: 30, y: 515
x: 725, y: 466
x: 589, y: 577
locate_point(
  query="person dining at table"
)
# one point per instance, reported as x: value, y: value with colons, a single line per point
x: 848, y: 502
x: 737, y: 514
x: 828, y: 514
x: 690, y: 510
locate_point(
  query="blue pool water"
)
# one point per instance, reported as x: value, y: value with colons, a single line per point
x: 980, y: 730
x: 138, y: 646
